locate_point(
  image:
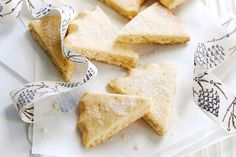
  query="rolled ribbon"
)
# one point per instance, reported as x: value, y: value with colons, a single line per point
x: 24, y: 97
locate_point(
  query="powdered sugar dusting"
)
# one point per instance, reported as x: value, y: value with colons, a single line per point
x: 149, y: 85
x: 95, y: 112
x: 119, y: 107
x: 48, y: 27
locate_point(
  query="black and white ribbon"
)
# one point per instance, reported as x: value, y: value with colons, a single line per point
x: 24, y: 97
x: 209, y: 92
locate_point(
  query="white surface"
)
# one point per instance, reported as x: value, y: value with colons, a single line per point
x: 13, y: 135
x: 63, y: 125
x: 18, y: 46
x: 13, y: 131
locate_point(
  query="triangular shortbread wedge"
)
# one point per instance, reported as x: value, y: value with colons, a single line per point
x: 170, y: 4
x: 102, y: 115
x: 46, y: 32
x: 152, y: 80
x: 155, y: 24
x: 93, y: 35
x: 126, y: 8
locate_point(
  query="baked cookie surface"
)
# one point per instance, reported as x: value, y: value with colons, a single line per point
x: 93, y: 35
x: 156, y: 81
x: 102, y: 115
x: 155, y: 24
x: 170, y: 4
x: 46, y: 32
x: 126, y: 8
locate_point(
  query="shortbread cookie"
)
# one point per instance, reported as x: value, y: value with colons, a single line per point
x: 126, y: 8
x: 152, y: 80
x: 102, y: 115
x: 93, y: 35
x: 170, y: 4
x: 46, y: 33
x: 156, y: 24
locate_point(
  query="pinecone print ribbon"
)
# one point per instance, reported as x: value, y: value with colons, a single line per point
x: 209, y: 92
x: 24, y: 97
x: 209, y: 100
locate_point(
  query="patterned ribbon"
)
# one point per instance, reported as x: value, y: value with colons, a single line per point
x: 24, y: 97
x: 209, y: 92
